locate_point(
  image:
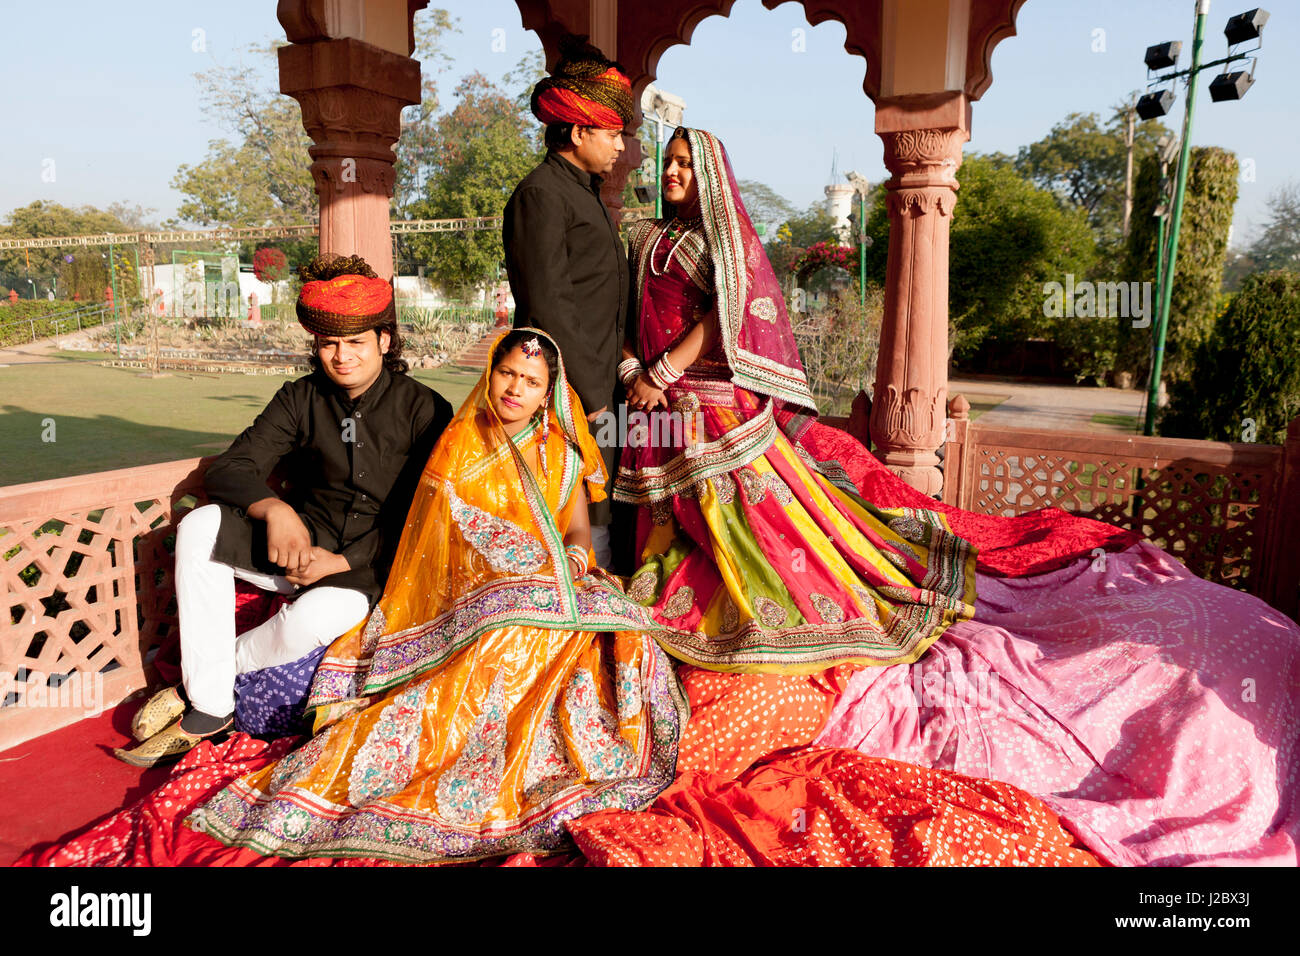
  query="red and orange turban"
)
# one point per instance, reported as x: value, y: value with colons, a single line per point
x: 586, y: 89
x: 343, y: 296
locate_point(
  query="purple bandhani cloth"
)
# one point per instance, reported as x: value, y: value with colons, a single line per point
x: 269, y: 702
x: 1155, y: 712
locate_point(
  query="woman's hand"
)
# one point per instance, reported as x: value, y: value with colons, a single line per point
x: 645, y: 396
x: 578, y: 534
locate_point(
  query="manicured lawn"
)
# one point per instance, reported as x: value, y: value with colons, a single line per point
x: 106, y: 418
x: 979, y: 404
x: 1128, y: 423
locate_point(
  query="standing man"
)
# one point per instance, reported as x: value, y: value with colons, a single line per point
x: 566, y: 262
x: 353, y: 437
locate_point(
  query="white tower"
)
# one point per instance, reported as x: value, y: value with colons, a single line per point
x: 839, y: 202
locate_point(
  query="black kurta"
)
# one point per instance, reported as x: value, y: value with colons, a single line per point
x: 351, y: 468
x: 568, y: 273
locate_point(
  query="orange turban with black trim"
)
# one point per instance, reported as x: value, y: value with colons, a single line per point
x: 343, y: 296
x: 586, y: 89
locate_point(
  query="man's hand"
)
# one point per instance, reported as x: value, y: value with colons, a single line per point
x: 596, y: 414
x: 644, y: 396
x: 322, y: 564
x: 288, y: 542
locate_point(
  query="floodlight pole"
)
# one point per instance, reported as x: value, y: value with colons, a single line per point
x: 659, y: 166
x: 1176, y: 214
x: 862, y: 248
x: 112, y: 278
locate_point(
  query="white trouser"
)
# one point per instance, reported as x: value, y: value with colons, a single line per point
x: 600, y: 545
x: 211, y: 655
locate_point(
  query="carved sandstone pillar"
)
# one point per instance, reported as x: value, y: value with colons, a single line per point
x: 352, y: 95
x: 923, y: 136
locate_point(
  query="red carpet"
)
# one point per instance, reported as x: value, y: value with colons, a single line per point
x: 57, y: 785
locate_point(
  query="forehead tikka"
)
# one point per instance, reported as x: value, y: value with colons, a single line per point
x: 532, y: 348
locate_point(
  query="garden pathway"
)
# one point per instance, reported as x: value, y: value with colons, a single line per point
x: 1056, y: 407
x: 32, y: 353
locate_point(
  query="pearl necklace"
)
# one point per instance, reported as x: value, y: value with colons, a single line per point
x: 654, y: 250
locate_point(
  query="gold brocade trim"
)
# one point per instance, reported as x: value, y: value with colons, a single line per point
x: 754, y: 487
x: 829, y: 611
x: 693, y: 390
x: 738, y: 447
x: 682, y: 600
x: 693, y: 254
x: 643, y: 585
x: 769, y: 612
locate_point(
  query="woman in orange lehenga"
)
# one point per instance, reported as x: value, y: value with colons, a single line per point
x: 499, y: 688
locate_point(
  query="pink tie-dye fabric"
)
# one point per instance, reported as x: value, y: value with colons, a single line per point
x: 1155, y: 712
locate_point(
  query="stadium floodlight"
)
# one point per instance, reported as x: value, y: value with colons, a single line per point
x: 1154, y: 105
x: 1231, y: 86
x: 1163, y: 55
x: 1245, y: 26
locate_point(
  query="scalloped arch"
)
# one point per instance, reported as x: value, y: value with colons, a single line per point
x: 646, y: 31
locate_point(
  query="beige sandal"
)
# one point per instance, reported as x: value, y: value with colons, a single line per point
x: 159, y: 711
x: 168, y: 745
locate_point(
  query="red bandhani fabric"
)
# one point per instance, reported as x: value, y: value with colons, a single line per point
x: 797, y: 808
x: 1032, y: 543
x: 737, y: 719
x: 833, y: 808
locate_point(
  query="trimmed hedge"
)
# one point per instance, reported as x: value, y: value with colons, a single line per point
x: 1198, y: 275
x: 1248, y: 368
x: 25, y: 321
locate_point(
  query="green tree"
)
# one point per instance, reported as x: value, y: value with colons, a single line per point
x: 483, y: 148
x: 86, y: 275
x: 1248, y: 368
x: 1278, y: 246
x: 261, y: 177
x: 415, y: 146
x: 765, y: 205
x: 1202, y: 251
x: 1007, y: 240
x: 520, y: 81
x: 1083, y: 161
x: 796, y: 234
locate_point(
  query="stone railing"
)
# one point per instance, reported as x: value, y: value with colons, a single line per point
x: 86, y: 567
x: 87, y: 561
x: 1230, y: 512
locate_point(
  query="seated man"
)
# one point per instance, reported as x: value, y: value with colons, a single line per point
x: 354, y: 436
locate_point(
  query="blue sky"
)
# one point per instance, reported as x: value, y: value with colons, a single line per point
x: 107, y: 91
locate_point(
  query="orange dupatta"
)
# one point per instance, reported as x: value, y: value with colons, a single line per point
x: 483, y: 548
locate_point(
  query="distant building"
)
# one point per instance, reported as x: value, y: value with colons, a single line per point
x: 839, y: 201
